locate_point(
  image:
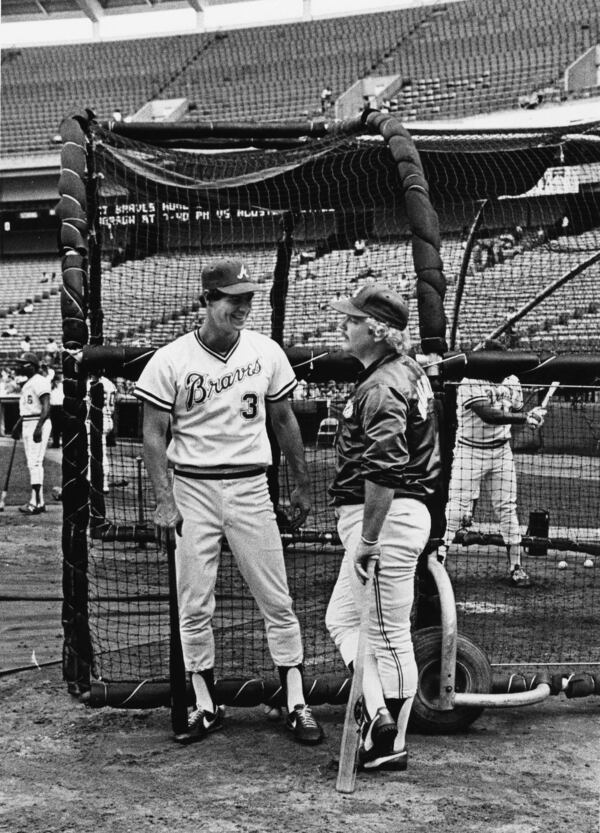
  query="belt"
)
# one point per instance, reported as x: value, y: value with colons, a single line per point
x: 219, y: 474
x: 493, y: 444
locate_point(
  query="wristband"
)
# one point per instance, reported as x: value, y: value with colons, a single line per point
x: 369, y: 543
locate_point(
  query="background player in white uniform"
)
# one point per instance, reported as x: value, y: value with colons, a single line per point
x: 388, y: 467
x: 215, y: 387
x: 485, y: 412
x: 108, y: 411
x: 34, y: 411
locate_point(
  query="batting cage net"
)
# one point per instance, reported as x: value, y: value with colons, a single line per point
x: 487, y: 235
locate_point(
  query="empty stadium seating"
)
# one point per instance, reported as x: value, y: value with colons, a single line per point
x: 452, y: 60
x: 455, y: 59
x: 151, y: 301
x: 30, y: 278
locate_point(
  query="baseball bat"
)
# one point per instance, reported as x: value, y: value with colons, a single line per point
x: 8, y: 473
x: 346, y: 777
x: 549, y: 394
x: 177, y: 674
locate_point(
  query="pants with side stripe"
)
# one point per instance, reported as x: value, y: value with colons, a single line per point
x: 239, y: 509
x: 107, y: 427
x: 403, y: 537
x: 472, y: 467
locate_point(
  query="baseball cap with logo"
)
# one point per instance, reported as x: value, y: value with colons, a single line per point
x: 29, y: 358
x: 229, y: 276
x: 375, y: 300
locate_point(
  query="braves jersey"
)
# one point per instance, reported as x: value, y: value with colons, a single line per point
x: 388, y: 434
x: 30, y: 402
x: 217, y: 402
x: 506, y: 396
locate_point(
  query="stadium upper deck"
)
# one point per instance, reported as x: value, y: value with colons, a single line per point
x: 451, y: 60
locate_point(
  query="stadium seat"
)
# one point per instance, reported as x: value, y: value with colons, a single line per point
x: 327, y: 432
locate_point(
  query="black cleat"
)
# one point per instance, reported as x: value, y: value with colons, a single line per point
x: 30, y: 509
x: 305, y: 728
x: 376, y: 750
x: 200, y: 724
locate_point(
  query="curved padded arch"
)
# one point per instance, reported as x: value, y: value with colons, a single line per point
x: 425, y: 230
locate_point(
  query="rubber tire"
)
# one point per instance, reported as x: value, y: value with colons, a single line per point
x: 473, y: 674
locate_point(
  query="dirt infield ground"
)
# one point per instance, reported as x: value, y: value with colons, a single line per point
x: 65, y: 768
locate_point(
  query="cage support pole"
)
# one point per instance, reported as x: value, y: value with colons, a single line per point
x: 278, y: 298
x: 72, y: 210
x: 462, y: 275
x: 545, y: 293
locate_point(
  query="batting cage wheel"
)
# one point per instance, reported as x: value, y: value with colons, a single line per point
x: 473, y: 674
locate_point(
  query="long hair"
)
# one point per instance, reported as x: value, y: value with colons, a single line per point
x: 398, y: 340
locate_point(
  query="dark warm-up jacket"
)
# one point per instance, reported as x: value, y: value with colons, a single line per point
x: 388, y: 434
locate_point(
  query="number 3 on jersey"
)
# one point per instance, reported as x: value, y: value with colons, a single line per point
x: 250, y: 406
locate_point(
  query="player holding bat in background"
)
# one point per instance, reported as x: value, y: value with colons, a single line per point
x: 214, y: 388
x: 486, y: 411
x: 34, y: 411
x: 388, y: 467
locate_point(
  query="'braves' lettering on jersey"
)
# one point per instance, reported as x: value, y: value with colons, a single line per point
x: 217, y: 402
x: 201, y: 387
x: 30, y: 401
x: 506, y: 397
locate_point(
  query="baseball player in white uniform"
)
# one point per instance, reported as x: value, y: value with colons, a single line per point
x: 214, y: 388
x: 34, y: 412
x: 485, y: 412
x: 388, y: 467
x: 108, y: 411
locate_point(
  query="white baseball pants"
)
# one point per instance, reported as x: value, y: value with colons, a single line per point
x: 35, y: 452
x: 239, y: 509
x: 403, y: 537
x: 470, y: 468
x: 107, y: 427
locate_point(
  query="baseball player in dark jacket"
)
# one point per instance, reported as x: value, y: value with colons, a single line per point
x: 388, y: 467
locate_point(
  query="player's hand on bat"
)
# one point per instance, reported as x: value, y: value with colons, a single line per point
x: 168, y: 522
x: 535, y: 417
x: 16, y: 432
x: 300, y: 506
x: 362, y: 555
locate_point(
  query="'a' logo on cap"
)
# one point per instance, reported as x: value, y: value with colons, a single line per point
x: 243, y: 274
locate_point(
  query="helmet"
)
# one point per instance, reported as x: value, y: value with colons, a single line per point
x: 29, y: 358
